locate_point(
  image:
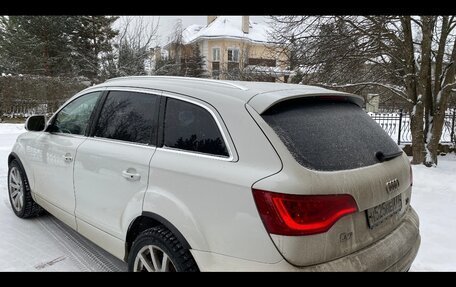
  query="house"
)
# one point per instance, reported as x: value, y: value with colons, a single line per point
x: 233, y: 47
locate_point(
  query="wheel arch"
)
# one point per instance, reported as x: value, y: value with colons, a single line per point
x: 13, y: 156
x: 148, y: 220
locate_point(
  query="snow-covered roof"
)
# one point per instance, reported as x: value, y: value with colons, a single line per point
x: 227, y: 27
x: 272, y: 71
x: 190, y: 31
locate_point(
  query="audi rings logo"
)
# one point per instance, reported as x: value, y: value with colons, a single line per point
x: 392, y: 185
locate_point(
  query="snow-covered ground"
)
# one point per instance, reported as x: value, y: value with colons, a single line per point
x: 45, y: 244
x: 434, y: 198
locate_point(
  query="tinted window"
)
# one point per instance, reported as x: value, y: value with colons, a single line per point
x: 191, y: 127
x: 74, y: 117
x: 329, y: 136
x: 127, y: 116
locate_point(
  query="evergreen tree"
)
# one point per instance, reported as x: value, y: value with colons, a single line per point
x: 35, y: 45
x: 109, y: 66
x: 91, y: 42
x: 131, y: 59
x: 167, y: 67
x: 193, y: 66
x: 55, y: 45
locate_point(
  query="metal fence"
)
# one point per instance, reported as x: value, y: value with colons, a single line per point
x: 397, y: 125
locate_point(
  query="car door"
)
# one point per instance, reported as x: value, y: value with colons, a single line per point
x: 112, y: 166
x: 53, y: 155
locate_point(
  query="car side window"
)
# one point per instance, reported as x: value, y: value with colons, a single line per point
x: 192, y: 128
x: 127, y: 116
x: 74, y: 117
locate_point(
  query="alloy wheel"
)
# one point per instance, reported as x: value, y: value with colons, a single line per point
x: 152, y: 258
x: 16, y: 189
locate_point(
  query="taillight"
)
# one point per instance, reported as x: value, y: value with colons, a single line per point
x: 287, y: 214
x: 411, y: 174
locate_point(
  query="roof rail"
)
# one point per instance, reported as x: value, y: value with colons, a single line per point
x: 212, y: 81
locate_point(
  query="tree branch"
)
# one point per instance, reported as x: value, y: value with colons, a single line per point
x: 395, y: 90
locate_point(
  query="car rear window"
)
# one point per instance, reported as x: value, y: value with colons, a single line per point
x: 192, y: 128
x: 329, y: 135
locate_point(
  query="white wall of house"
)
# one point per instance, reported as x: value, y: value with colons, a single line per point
x: 205, y: 52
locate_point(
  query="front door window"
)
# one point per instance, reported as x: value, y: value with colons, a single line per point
x: 74, y: 117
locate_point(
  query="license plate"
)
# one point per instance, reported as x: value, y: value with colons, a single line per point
x: 378, y: 214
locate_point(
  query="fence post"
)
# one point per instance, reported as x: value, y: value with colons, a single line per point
x: 400, y: 128
x: 452, y: 138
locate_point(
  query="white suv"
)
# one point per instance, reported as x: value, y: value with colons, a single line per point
x: 182, y: 174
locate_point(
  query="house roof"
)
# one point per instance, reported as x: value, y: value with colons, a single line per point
x: 226, y: 27
x: 190, y: 32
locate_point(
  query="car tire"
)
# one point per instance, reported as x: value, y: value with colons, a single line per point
x: 160, y: 242
x: 19, y: 192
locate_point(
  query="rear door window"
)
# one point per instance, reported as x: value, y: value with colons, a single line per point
x: 192, y: 128
x: 329, y: 135
x: 128, y: 116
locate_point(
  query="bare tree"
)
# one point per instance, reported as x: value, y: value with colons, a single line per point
x: 410, y: 56
x: 131, y: 47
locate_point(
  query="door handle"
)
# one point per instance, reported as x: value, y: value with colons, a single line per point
x: 67, y: 157
x: 131, y: 175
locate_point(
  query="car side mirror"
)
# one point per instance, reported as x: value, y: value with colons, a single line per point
x: 36, y: 123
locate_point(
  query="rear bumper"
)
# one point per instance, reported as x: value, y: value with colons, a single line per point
x: 395, y: 252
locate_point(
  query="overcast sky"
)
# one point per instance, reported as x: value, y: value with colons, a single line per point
x: 166, y: 23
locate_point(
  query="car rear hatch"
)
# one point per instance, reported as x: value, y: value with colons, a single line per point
x: 338, y: 165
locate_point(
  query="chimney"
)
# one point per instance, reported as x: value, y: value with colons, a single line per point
x: 157, y: 53
x: 245, y: 24
x: 211, y: 19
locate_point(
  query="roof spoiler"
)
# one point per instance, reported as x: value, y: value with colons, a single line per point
x: 262, y: 102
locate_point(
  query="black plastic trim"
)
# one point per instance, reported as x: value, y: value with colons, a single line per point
x: 161, y: 121
x: 95, y: 114
x: 156, y: 120
x: 168, y: 225
x: 16, y: 157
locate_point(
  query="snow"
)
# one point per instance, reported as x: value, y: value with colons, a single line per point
x: 434, y: 199
x: 46, y: 244
x: 189, y: 32
x: 226, y: 27
x: 428, y: 140
x: 268, y: 70
x: 439, y: 95
x: 11, y: 129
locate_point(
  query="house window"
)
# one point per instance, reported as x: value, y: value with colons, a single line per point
x: 216, y: 54
x: 233, y: 55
